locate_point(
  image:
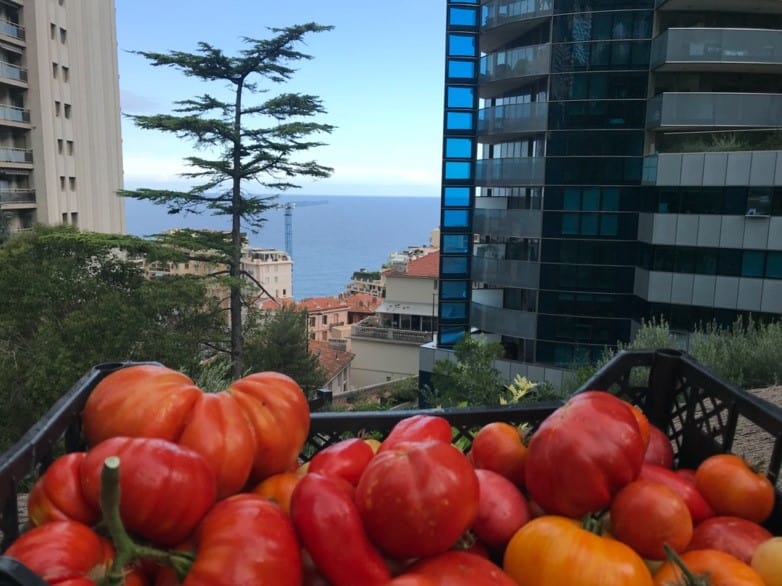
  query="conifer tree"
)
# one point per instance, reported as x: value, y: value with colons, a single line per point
x: 238, y: 142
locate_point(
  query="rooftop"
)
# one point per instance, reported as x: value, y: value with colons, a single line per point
x: 332, y: 360
x: 424, y: 266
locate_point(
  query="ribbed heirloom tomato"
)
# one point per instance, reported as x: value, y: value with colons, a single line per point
x: 255, y: 428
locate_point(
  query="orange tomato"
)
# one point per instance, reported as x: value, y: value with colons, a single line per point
x: 733, y: 488
x: 721, y: 568
x: 279, y: 488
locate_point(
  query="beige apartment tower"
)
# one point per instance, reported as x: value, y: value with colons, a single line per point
x: 60, y: 138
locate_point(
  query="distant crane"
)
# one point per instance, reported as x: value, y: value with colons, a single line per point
x: 288, y: 213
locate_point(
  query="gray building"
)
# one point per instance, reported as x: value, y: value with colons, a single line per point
x: 60, y: 139
x: 606, y: 162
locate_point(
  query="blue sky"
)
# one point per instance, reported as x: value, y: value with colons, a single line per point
x: 379, y: 74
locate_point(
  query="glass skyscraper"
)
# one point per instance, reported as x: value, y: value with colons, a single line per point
x: 607, y: 162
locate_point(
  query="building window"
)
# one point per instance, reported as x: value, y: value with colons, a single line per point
x: 62, y: 183
x: 53, y: 31
x: 67, y: 110
x: 65, y: 217
x: 70, y: 147
x: 72, y: 183
x: 59, y: 146
x: 55, y: 68
x: 57, y: 107
x: 63, y: 35
x: 66, y: 73
x: 325, y: 320
x: 75, y: 219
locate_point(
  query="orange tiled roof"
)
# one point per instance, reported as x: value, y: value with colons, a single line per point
x: 270, y: 305
x: 332, y: 360
x: 322, y: 303
x: 362, y: 302
x: 424, y: 266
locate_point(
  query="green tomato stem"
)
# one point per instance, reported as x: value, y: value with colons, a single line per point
x: 127, y: 550
x: 690, y: 579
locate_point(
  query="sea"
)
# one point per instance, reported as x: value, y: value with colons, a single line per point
x: 332, y: 236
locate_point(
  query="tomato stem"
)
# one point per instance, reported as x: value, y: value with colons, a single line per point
x: 128, y: 550
x: 690, y: 579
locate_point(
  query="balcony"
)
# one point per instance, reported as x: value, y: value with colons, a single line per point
x: 502, y: 122
x: 507, y: 322
x: 16, y: 156
x: 510, y: 171
x: 390, y: 334
x: 711, y: 49
x: 17, y: 196
x: 678, y: 111
x: 499, y: 272
x: 714, y: 168
x: 505, y: 70
x: 501, y: 20
x: 508, y: 222
x: 14, y: 116
x: 11, y: 29
x: 13, y: 73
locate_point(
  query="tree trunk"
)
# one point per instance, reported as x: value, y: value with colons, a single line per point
x: 236, y: 244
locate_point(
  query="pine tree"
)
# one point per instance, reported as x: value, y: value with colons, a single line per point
x: 234, y: 151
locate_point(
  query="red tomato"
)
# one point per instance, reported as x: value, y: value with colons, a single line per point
x: 499, y: 447
x: 733, y: 488
x: 418, y: 498
x: 458, y: 568
x: 418, y: 428
x: 502, y: 509
x: 699, y: 508
x: 734, y: 535
x: 346, y: 459
x: 660, y: 449
x: 646, y: 515
x: 246, y: 539
x: 57, y: 494
x: 165, y: 489
x: 686, y: 473
x: 583, y: 454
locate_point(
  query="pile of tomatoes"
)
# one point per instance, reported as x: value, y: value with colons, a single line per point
x: 179, y: 486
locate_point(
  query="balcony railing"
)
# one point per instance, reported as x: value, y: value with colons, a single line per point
x: 715, y: 110
x: 497, y: 13
x: 509, y: 322
x: 682, y: 47
x: 510, y: 171
x: 22, y: 196
x: 516, y: 63
x: 513, y: 118
x: 14, y: 114
x: 506, y: 273
x: 508, y: 222
x: 11, y: 29
x: 14, y: 155
x: 390, y: 334
x: 11, y: 71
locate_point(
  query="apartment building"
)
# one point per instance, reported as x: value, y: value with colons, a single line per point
x: 386, y: 345
x: 606, y: 162
x: 60, y: 140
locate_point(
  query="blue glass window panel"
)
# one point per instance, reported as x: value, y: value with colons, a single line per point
x: 589, y: 223
x: 774, y: 265
x: 610, y: 199
x: 609, y: 225
x: 463, y: 16
x: 456, y: 196
x: 453, y: 310
x: 458, y: 69
x: 570, y: 224
x: 454, y: 289
x: 456, y: 219
x: 462, y: 46
x: 451, y: 336
x: 458, y: 148
x: 457, y: 170
x: 456, y: 243
x: 460, y: 97
x: 591, y: 199
x: 458, y: 121
x: 752, y: 263
x: 572, y: 199
x: 453, y: 265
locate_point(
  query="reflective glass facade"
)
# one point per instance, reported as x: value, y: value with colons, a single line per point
x: 566, y: 205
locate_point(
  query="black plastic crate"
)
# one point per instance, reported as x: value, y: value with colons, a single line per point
x: 701, y: 414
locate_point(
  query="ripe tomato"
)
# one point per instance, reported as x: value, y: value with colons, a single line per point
x: 583, y: 454
x: 734, y: 535
x: 278, y: 488
x: 553, y: 550
x: 457, y: 568
x: 418, y: 428
x: 733, y: 488
x: 715, y: 568
x: 498, y: 446
x: 417, y: 498
x: 57, y: 494
x: 502, y: 509
x: 646, y: 515
x: 346, y: 459
x: 767, y: 561
x: 660, y: 449
x: 699, y: 508
x: 165, y: 489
